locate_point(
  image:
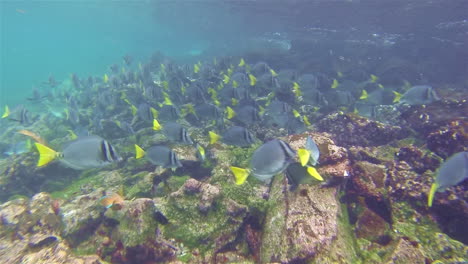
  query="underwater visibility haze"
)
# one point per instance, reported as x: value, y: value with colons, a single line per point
x: 234, y: 131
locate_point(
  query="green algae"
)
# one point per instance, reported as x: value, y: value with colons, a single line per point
x: 73, y: 188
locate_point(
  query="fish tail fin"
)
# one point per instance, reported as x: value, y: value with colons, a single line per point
x: 230, y: 112
x: 253, y: 80
x: 156, y: 125
x: 397, y: 97
x: 373, y: 78
x: 304, y: 156
x: 7, y: 112
x: 432, y: 192
x: 240, y: 174
x: 154, y: 112
x: 364, y: 95
x: 46, y: 154
x: 213, y: 137
x: 314, y: 173
x: 335, y: 84
x: 139, y: 152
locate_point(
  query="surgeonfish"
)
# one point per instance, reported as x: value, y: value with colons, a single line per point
x: 268, y: 160
x: 453, y: 171
x: 83, y: 153
x: 235, y: 136
x: 159, y: 155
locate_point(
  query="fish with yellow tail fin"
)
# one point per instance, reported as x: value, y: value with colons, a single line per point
x: 114, y: 202
x: 196, y: 68
x: 226, y: 79
x: 335, y: 84
x: 174, y: 132
x: 83, y: 153
x: 252, y: 79
x: 235, y: 84
x: 234, y: 136
x: 234, y: 101
x: 373, y: 78
x: 33, y: 135
x: 7, y: 112
x: 269, y: 159
x: 364, y: 95
x: 241, y: 63
x: 296, y: 89
x: 106, y: 78
x: 452, y: 172
x: 159, y: 155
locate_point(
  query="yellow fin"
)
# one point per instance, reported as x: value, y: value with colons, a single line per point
x: 397, y: 97
x: 296, y: 113
x: 154, y: 112
x: 240, y: 174
x: 139, y: 152
x: 72, y: 134
x: 226, y: 79
x: 314, y: 173
x: 213, y: 137
x: 242, y: 62
x: 273, y: 73
x: 432, y: 192
x: 230, y: 112
x: 380, y: 86
x: 165, y: 85
x: 7, y: 112
x: 339, y: 74
x: 234, y: 101
x: 156, y: 125
x: 201, y: 150
x: 335, y: 84
x: 106, y: 78
x: 306, y: 120
x: 253, y: 80
x: 296, y: 89
x: 304, y: 156
x: 235, y: 84
x: 46, y: 154
x: 363, y: 95
x: 373, y: 78
x: 196, y: 69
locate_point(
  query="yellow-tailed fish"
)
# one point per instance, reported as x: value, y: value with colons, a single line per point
x: 240, y: 174
x: 234, y: 101
x: 364, y: 95
x: 335, y: 84
x: 106, y: 78
x: 226, y: 79
x: 46, y: 154
x: 252, y: 79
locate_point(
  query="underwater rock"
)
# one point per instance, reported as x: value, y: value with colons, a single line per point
x: 449, y: 139
x: 81, y: 216
x: 352, y: 130
x: 209, y: 193
x: 371, y: 226
x: 300, y: 225
x: 405, y: 252
x: 369, y: 179
x: 136, y: 223
x: 29, y: 233
x: 417, y: 159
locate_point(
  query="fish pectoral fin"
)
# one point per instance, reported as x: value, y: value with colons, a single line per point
x: 240, y: 174
x: 46, y: 154
x: 304, y: 156
x: 314, y: 173
x: 432, y: 192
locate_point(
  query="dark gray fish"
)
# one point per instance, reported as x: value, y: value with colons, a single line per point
x: 260, y: 68
x: 21, y: 115
x: 246, y: 115
x: 176, y: 133
x: 163, y: 156
x: 453, y: 171
x: 419, y: 95
x: 89, y: 152
x: 127, y: 59
x: 295, y: 125
x: 238, y: 136
x: 208, y: 112
x: 297, y: 174
x: 271, y: 158
x: 168, y: 113
x: 144, y: 112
